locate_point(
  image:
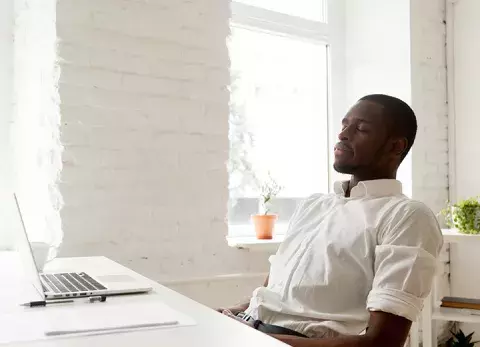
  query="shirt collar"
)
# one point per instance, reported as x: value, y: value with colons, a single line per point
x: 384, y: 187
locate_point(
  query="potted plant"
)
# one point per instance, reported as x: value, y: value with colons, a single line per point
x: 264, y: 221
x: 464, y: 215
x: 460, y: 340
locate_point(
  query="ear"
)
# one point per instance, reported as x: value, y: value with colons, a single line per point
x: 400, y: 146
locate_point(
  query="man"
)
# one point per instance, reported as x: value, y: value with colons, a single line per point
x: 361, y: 258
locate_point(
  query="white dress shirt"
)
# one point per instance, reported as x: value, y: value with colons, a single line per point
x: 343, y: 257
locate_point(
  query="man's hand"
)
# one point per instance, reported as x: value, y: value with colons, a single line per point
x: 234, y: 310
x: 384, y: 330
x: 238, y: 319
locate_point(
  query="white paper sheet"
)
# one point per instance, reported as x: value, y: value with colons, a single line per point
x: 33, y: 324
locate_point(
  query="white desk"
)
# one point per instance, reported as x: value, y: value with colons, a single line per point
x: 212, y: 329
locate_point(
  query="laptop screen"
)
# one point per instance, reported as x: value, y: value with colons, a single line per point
x: 26, y: 254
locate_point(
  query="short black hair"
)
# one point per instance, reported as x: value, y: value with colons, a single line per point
x: 403, y: 118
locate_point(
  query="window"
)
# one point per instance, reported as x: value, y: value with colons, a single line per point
x: 279, y: 53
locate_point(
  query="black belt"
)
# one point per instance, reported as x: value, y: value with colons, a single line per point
x: 275, y: 329
x: 269, y: 328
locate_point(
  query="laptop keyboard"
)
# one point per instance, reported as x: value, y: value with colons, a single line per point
x: 70, y: 282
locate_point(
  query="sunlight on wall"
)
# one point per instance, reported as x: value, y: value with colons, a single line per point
x: 36, y: 145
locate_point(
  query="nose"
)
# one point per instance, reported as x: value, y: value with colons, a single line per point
x: 343, y: 135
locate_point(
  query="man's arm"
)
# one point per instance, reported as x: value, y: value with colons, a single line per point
x: 384, y: 330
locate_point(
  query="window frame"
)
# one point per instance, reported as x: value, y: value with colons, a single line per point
x: 331, y: 33
x: 259, y: 18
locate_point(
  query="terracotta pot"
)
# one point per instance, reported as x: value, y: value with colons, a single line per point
x: 264, y: 225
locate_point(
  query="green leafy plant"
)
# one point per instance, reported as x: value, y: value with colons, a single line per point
x: 464, y: 215
x: 269, y: 190
x: 460, y: 340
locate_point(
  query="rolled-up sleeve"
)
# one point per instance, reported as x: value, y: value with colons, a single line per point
x: 405, y: 261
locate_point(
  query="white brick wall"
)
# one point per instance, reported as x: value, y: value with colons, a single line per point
x: 144, y: 105
x: 429, y: 90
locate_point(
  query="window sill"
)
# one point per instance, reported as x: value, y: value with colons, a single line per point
x: 453, y: 236
x: 243, y: 237
x: 250, y: 242
x: 253, y: 244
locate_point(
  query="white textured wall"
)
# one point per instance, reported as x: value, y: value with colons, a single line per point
x: 378, y: 61
x: 466, y: 282
x: 144, y: 104
x: 466, y: 87
x: 430, y: 153
x: 6, y: 85
x: 35, y: 129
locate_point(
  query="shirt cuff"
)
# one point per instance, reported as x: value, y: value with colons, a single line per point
x: 395, y: 302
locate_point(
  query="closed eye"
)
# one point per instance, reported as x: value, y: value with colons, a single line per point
x: 362, y: 128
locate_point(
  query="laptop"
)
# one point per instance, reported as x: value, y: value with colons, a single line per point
x: 72, y: 284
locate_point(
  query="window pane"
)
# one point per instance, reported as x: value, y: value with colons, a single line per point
x: 279, y: 87
x: 307, y: 9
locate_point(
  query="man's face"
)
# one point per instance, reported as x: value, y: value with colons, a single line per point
x: 363, y: 140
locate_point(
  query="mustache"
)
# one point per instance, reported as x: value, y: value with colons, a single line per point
x: 343, y: 146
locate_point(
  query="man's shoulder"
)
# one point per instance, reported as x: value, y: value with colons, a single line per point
x: 414, y: 220
x: 406, y: 211
x: 403, y: 204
